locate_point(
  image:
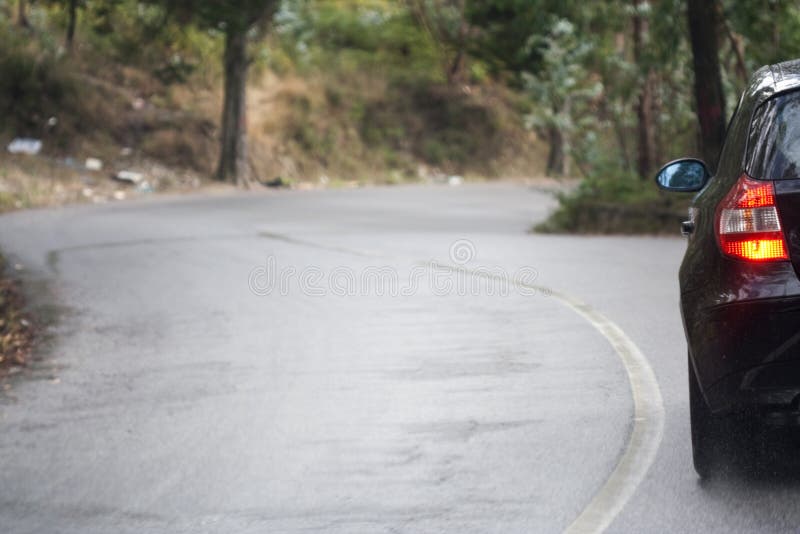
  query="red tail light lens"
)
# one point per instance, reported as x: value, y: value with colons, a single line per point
x: 755, y: 195
x: 748, y: 226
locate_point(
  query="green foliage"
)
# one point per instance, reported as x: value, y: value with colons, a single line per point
x: 350, y: 36
x: 144, y: 34
x: 564, y: 89
x: 512, y: 37
x: 34, y: 84
x: 771, y: 29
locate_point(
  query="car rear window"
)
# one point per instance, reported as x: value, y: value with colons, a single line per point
x: 773, y: 148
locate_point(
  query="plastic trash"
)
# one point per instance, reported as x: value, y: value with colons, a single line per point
x: 145, y: 187
x: 93, y: 164
x: 25, y: 145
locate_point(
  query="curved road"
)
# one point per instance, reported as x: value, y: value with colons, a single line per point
x: 353, y: 361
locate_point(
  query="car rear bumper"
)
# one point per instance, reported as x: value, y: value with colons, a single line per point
x: 747, y: 354
x: 771, y: 391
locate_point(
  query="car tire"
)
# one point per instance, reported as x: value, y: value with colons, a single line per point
x: 705, y: 432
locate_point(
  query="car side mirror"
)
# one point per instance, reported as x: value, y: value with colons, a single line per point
x: 683, y: 175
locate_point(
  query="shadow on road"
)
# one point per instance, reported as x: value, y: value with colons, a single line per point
x: 758, y: 457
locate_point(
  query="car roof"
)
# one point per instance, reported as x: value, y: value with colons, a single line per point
x: 770, y: 80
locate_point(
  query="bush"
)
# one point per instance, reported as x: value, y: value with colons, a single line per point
x: 616, y: 205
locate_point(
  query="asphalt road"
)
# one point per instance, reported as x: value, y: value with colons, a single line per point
x: 352, y: 361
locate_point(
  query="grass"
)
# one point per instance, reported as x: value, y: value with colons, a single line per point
x: 380, y: 131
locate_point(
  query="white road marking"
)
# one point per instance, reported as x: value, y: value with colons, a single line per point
x: 648, y: 415
x: 648, y: 426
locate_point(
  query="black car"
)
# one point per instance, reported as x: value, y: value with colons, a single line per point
x: 740, y: 277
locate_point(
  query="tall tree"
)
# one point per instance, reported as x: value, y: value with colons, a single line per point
x: 564, y: 90
x: 709, y: 98
x: 232, y: 164
x: 238, y: 20
x: 645, y: 129
x: 524, y: 37
x: 72, y: 19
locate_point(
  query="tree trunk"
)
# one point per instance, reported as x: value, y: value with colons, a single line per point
x: 22, y: 18
x: 73, y: 19
x: 566, y: 136
x: 455, y: 72
x: 555, y: 158
x: 622, y: 142
x: 710, y: 100
x: 233, y: 155
x: 645, y: 130
x: 658, y: 106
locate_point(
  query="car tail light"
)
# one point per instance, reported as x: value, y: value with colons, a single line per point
x: 748, y: 226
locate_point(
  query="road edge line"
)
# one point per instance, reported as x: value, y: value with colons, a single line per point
x: 645, y: 437
x: 648, y: 412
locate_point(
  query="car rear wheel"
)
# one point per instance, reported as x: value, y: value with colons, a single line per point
x: 705, y: 433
